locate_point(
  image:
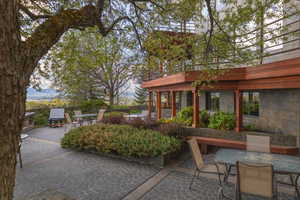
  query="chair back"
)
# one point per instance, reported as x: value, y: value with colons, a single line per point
x: 255, y: 179
x: 100, y: 115
x: 196, y: 153
x: 68, y: 118
x: 258, y: 143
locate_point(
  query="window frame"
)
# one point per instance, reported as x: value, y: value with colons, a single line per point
x: 250, y: 101
x: 210, y: 104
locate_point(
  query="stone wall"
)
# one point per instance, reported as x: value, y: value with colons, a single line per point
x: 227, y: 101
x: 279, y: 112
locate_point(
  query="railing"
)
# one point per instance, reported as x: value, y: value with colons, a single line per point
x: 267, y: 42
x: 172, y: 26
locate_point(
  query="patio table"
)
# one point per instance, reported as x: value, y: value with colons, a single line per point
x: 282, y: 164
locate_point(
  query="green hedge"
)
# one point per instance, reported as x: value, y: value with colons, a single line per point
x: 222, y: 121
x: 120, y: 139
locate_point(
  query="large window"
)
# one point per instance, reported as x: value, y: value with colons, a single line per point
x: 251, y: 103
x: 213, y: 101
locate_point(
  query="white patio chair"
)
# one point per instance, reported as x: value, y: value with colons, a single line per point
x: 255, y: 143
x: 258, y: 143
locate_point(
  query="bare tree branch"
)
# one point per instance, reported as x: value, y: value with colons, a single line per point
x: 31, y: 15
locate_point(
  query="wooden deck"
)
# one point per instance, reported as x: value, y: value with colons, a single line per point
x: 225, y: 143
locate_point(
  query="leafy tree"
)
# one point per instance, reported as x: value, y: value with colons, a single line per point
x: 88, y: 66
x: 140, y: 95
x: 30, y: 28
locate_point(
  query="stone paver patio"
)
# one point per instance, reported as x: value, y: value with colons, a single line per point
x: 50, y: 172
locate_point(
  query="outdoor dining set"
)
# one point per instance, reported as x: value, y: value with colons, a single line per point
x: 58, y: 117
x: 256, y: 169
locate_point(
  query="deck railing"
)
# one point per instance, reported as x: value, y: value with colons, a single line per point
x: 267, y: 42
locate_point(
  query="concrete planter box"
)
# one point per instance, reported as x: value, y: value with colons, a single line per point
x: 160, y: 161
x: 276, y: 139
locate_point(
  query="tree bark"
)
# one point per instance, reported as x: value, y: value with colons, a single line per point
x: 111, y: 98
x: 12, y: 96
x: 18, y: 59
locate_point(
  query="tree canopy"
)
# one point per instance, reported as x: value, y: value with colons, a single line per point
x: 30, y: 28
x: 87, y: 66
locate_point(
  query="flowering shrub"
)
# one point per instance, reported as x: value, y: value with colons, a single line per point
x: 120, y: 139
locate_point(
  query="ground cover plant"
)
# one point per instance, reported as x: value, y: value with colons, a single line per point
x: 122, y: 140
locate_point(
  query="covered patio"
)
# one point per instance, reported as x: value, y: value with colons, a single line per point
x: 273, y: 76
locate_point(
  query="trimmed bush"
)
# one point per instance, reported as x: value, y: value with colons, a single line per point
x: 222, y: 121
x: 204, y: 118
x: 121, y: 140
x: 185, y: 116
x: 41, y: 117
x: 172, y: 129
x: 113, y: 118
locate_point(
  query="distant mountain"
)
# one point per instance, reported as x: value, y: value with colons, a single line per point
x: 43, y: 94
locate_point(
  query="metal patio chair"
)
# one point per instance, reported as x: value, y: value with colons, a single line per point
x: 200, y: 165
x: 255, y: 179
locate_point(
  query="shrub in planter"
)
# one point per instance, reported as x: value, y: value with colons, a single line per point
x: 185, y: 116
x: 222, y: 121
x: 151, y: 124
x: 204, y: 118
x: 145, y: 124
x: 137, y: 123
x: 172, y: 129
x: 113, y: 118
x: 122, y: 140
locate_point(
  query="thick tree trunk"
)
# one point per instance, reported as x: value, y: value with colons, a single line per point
x: 12, y: 96
x: 111, y: 98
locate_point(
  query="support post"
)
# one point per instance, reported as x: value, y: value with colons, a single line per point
x: 150, y: 102
x: 238, y: 110
x: 173, y: 103
x: 158, y: 105
x: 168, y: 99
x: 196, y: 122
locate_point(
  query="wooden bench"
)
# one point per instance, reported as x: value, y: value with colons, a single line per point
x: 219, y: 142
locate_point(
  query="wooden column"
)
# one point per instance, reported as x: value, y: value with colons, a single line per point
x: 196, y: 122
x: 158, y: 105
x: 173, y: 104
x: 150, y: 102
x: 168, y: 99
x: 238, y: 110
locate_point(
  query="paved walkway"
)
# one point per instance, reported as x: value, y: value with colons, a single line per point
x: 50, y: 172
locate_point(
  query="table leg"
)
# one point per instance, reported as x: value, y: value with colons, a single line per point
x: 296, y: 186
x: 226, y: 175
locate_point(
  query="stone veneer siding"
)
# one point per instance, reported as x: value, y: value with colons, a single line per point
x: 279, y: 110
